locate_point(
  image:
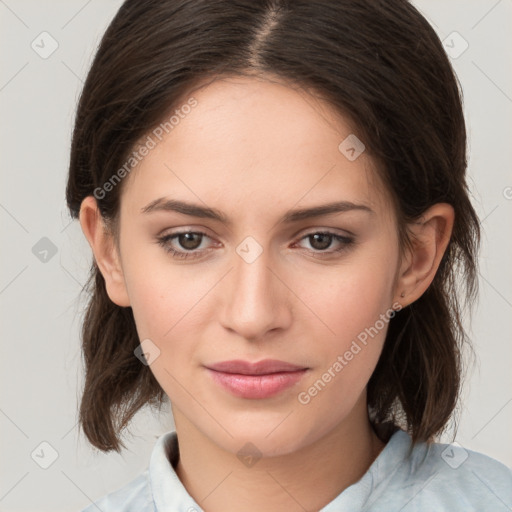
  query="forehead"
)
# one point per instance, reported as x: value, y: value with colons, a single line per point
x: 253, y: 144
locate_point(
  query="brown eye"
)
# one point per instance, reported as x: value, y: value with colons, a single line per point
x: 320, y: 241
x: 190, y: 240
x: 186, y: 245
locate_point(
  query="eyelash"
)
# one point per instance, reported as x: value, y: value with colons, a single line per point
x: 165, y: 239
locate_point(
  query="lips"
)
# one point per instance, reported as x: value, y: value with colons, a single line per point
x: 256, y: 380
x: 264, y: 367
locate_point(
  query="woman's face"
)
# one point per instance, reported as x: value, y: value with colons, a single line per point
x: 258, y: 284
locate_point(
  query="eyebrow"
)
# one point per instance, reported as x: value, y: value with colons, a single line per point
x: 195, y: 210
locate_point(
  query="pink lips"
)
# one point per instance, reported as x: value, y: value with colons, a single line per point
x: 256, y: 380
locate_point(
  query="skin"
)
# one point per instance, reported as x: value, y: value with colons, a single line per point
x: 255, y: 149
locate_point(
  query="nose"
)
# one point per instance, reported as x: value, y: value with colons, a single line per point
x: 255, y: 299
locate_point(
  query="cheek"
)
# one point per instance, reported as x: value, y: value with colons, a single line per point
x: 355, y: 303
x: 164, y: 295
x: 167, y: 309
x: 353, y: 296
x: 346, y: 360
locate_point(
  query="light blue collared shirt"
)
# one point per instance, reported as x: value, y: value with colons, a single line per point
x: 437, y: 477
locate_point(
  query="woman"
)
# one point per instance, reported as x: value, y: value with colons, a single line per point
x: 275, y: 196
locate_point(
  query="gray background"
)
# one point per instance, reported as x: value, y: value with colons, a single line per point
x: 41, y: 374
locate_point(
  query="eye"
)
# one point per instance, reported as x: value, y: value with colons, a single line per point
x: 187, y: 244
x: 188, y: 240
x: 322, y: 240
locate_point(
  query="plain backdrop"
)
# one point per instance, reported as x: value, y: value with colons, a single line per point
x: 45, y: 258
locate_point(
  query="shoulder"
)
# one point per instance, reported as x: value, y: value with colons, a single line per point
x: 466, y: 477
x: 133, y: 497
x: 440, y: 476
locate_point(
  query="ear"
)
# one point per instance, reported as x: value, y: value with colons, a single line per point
x: 105, y: 251
x: 429, y: 239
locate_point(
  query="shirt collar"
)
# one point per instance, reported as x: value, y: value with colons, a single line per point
x: 170, y: 494
x: 167, y: 490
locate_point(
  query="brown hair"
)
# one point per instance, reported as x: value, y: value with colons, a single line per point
x: 378, y: 63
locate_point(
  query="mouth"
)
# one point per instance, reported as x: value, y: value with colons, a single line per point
x: 258, y: 380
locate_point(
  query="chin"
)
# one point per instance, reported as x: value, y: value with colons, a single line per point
x: 266, y: 437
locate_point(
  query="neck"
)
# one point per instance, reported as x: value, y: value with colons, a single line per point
x: 308, y: 478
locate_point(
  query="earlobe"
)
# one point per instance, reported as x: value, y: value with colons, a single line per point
x: 104, y: 250
x: 429, y: 238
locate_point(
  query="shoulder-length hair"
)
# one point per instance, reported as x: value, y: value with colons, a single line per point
x: 376, y: 62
